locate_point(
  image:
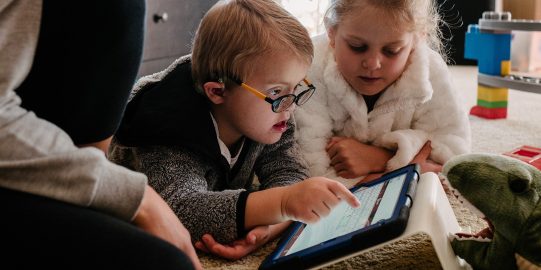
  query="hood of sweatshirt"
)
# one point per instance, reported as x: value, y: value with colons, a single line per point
x: 165, y: 109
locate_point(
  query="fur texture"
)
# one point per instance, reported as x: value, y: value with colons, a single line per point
x: 420, y: 106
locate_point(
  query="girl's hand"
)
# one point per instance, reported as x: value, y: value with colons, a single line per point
x: 351, y: 158
x: 257, y: 237
x: 313, y: 198
x: 421, y: 158
x: 426, y: 164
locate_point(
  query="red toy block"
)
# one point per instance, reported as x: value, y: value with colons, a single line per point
x: 528, y: 154
x: 490, y: 113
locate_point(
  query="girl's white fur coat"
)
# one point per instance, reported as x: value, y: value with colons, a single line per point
x: 420, y: 106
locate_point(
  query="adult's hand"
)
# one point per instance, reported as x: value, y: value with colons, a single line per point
x: 156, y: 217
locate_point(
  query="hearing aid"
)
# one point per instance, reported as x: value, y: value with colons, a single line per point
x: 218, y: 91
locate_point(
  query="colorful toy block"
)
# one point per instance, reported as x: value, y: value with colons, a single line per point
x: 489, y: 113
x: 492, y: 94
x: 492, y: 50
x: 489, y: 49
x: 489, y: 43
x: 528, y: 154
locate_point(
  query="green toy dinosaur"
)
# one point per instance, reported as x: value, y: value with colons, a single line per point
x: 507, y: 193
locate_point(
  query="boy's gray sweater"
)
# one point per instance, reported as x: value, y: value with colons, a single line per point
x: 38, y: 157
x: 167, y: 133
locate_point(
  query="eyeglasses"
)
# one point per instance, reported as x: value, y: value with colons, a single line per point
x: 282, y: 103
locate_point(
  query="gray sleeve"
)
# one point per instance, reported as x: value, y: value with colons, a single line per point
x: 19, y: 27
x: 36, y: 156
x: 281, y: 163
x: 186, y: 182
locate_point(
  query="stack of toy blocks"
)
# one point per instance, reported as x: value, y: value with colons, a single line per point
x: 492, y: 50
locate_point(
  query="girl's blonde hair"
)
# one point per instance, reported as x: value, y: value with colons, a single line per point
x: 235, y: 34
x: 420, y: 16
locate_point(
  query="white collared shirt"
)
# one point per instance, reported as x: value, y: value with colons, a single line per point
x: 223, y: 148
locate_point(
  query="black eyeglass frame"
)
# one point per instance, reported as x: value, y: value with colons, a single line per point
x: 275, y: 103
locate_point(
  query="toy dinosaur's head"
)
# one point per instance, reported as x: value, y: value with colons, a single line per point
x: 505, y: 191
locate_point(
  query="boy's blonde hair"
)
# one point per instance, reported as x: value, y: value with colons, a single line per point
x: 235, y: 34
x: 420, y: 16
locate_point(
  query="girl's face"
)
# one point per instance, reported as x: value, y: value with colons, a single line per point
x: 244, y: 114
x: 370, y: 50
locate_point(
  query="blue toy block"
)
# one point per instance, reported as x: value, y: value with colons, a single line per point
x: 489, y: 49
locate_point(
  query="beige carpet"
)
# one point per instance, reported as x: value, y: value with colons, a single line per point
x: 522, y: 127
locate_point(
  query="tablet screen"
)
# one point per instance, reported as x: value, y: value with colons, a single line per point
x: 378, y: 203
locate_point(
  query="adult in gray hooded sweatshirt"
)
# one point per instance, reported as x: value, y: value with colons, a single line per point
x: 65, y: 206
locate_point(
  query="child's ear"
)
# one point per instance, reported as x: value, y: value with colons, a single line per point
x: 214, y: 91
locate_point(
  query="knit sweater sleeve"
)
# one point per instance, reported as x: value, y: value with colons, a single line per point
x: 281, y: 163
x: 38, y: 157
x: 189, y: 185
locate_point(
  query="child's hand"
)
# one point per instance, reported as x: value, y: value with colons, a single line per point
x: 426, y: 164
x: 313, y: 198
x: 351, y: 158
x: 257, y: 237
x: 421, y: 158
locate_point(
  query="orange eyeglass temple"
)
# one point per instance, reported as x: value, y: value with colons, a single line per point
x: 261, y: 95
x: 253, y: 90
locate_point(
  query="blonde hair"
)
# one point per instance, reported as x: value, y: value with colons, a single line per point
x: 420, y: 16
x: 235, y: 34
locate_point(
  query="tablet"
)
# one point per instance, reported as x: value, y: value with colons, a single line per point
x: 382, y: 216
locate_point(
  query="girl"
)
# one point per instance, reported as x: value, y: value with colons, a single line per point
x: 384, y: 91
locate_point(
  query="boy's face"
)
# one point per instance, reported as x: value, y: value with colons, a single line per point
x: 370, y: 51
x: 244, y: 114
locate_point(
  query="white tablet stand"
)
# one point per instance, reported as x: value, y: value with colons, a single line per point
x: 431, y: 214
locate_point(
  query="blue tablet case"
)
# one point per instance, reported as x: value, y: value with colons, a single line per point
x: 355, y: 241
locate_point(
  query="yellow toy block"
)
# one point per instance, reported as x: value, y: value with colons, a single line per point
x: 506, y: 67
x: 492, y: 94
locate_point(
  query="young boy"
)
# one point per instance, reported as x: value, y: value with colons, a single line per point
x: 203, y: 127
